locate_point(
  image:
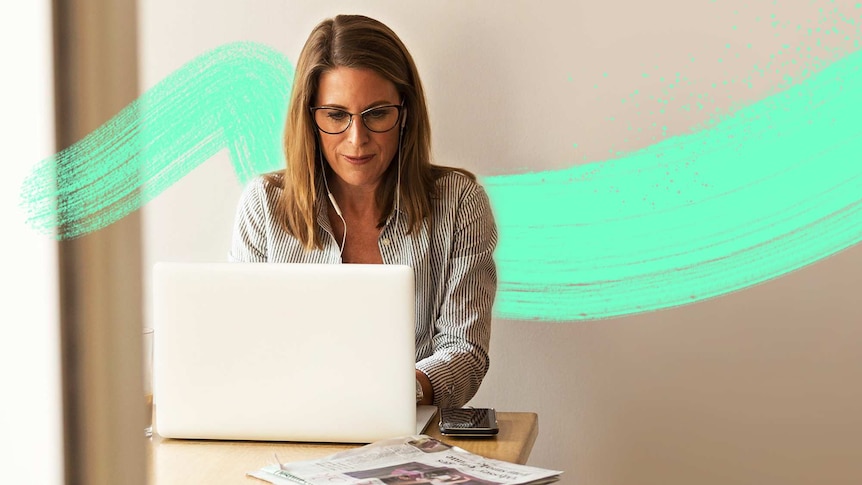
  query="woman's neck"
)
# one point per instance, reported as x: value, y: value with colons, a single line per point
x: 356, y: 201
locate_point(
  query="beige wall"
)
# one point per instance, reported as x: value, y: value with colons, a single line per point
x: 760, y: 386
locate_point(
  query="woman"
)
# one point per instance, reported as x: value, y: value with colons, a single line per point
x: 359, y: 187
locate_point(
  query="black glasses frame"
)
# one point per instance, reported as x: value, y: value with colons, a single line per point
x: 314, y: 110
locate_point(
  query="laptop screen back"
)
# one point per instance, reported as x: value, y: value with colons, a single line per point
x: 286, y: 352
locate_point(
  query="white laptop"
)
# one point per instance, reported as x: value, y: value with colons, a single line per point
x: 285, y: 352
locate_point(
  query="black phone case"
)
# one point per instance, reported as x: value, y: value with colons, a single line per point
x: 462, y: 422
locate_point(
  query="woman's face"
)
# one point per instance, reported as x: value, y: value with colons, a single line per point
x: 358, y: 156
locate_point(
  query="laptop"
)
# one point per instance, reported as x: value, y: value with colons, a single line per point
x: 285, y: 352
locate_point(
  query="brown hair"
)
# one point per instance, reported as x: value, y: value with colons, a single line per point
x: 354, y: 41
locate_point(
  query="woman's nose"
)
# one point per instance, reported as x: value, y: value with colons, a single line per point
x: 357, y: 132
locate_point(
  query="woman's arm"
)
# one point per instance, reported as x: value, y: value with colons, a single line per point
x: 462, y: 329
x: 248, y: 244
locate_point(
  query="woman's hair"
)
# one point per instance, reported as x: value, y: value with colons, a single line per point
x: 358, y: 42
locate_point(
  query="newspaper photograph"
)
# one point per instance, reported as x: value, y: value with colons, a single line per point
x: 413, y: 460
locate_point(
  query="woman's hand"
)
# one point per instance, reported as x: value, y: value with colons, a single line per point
x: 427, y: 390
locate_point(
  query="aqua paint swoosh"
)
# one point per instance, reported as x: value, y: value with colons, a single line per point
x: 768, y: 190
x: 761, y: 193
x: 233, y: 97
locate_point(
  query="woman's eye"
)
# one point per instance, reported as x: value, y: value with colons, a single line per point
x: 377, y: 114
x: 336, y: 115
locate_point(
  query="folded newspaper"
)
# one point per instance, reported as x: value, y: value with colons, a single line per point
x: 412, y: 460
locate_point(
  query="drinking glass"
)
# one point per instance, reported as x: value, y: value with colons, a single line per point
x: 148, y: 381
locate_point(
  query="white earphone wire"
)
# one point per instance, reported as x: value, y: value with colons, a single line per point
x: 334, y: 204
x: 398, y: 181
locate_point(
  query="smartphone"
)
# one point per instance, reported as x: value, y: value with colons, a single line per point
x: 478, y: 422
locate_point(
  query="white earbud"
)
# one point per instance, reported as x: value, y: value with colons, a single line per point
x: 334, y: 204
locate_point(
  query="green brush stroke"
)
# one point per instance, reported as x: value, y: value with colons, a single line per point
x: 232, y: 97
x: 774, y: 187
x: 764, y: 192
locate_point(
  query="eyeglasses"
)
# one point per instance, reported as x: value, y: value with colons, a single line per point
x: 333, y: 121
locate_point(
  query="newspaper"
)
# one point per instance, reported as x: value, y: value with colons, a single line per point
x: 413, y: 460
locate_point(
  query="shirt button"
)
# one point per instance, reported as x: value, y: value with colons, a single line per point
x: 385, y: 241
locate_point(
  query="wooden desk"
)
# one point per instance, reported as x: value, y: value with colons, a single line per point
x: 214, y: 462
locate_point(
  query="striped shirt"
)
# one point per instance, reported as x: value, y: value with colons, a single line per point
x: 452, y: 261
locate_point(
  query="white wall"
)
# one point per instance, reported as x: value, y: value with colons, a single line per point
x: 760, y: 386
x: 31, y: 411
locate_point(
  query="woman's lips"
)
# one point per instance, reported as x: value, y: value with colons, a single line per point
x: 358, y: 160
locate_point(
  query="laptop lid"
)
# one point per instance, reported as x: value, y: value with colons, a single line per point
x: 285, y: 352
